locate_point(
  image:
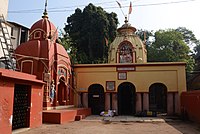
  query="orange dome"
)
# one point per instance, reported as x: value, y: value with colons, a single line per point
x: 43, y: 29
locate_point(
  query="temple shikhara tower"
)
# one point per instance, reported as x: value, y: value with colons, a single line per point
x: 48, y: 60
x: 127, y: 47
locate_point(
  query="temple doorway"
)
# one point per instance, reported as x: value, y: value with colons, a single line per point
x: 21, y: 107
x: 62, y: 92
x: 126, y: 99
x: 158, y: 98
x: 96, y: 98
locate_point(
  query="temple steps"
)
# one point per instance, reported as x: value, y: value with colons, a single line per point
x: 63, y: 115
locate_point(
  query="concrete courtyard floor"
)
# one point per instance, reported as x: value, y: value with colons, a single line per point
x: 118, y: 125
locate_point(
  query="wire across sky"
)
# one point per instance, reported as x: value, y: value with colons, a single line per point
x: 71, y: 8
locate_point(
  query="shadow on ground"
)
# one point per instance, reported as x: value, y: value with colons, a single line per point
x: 183, y: 126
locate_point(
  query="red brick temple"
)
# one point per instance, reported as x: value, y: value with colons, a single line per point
x: 43, y: 68
x: 48, y: 60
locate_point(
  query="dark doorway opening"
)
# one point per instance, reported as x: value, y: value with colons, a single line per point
x: 62, y: 92
x: 96, y: 98
x: 158, y: 98
x: 126, y: 99
x: 21, y: 107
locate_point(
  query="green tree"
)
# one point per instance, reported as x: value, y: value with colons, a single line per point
x: 191, y: 41
x: 89, y: 31
x: 188, y: 35
x: 170, y: 46
x: 144, y: 34
x: 67, y: 43
x: 196, y: 55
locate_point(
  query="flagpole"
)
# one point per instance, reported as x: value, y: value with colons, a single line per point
x: 122, y: 12
x: 130, y: 10
x: 128, y: 17
x: 120, y: 8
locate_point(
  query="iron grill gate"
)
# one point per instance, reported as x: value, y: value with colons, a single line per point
x: 21, y: 108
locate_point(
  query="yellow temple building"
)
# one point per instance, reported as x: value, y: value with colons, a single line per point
x: 128, y: 84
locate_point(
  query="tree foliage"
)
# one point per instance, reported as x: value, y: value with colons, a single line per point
x: 89, y: 30
x: 67, y: 43
x: 188, y: 35
x: 193, y: 42
x: 144, y: 34
x: 170, y: 46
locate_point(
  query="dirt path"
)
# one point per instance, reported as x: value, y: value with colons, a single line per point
x: 97, y: 127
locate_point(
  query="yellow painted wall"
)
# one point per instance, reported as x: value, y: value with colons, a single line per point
x: 172, y: 75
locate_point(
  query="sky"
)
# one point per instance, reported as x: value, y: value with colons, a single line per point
x: 146, y: 14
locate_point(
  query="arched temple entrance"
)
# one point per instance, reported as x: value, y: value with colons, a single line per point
x: 158, y: 97
x: 126, y: 99
x: 62, y: 92
x: 96, y: 98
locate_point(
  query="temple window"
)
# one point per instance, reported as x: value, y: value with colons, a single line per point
x: 62, y: 73
x: 126, y: 53
x: 27, y: 66
x: 37, y: 34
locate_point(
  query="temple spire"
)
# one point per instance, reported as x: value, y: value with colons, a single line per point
x: 45, y: 14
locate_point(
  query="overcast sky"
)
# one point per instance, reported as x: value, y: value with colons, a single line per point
x: 146, y: 14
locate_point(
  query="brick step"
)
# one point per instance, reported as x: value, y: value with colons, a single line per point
x: 65, y: 115
x: 79, y: 117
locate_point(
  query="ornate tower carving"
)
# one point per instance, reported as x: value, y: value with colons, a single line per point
x: 127, y: 47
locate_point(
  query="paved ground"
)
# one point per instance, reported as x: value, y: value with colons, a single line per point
x: 119, y: 125
x: 125, y: 119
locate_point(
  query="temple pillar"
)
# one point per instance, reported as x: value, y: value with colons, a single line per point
x: 85, y: 100
x: 170, y: 101
x: 117, y: 56
x: 138, y: 102
x: 78, y: 103
x: 107, y: 101
x: 145, y: 101
x: 46, y: 98
x: 114, y: 102
x: 177, y: 103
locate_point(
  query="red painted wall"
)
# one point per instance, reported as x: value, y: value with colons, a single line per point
x: 36, y: 106
x: 190, y: 105
x: 8, y: 79
x: 6, y: 106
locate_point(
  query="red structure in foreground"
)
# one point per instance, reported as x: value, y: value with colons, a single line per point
x: 63, y: 116
x: 190, y: 105
x: 41, y: 91
x: 48, y: 60
x: 21, y: 98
